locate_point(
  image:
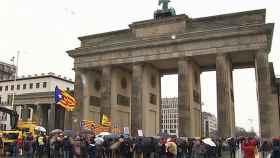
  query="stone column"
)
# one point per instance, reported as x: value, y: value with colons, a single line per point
x: 68, y: 120
x: 59, y: 117
x: 184, y: 125
x: 44, y: 115
x: 136, y: 99
x: 78, y: 114
x: 269, y: 124
x: 106, y: 91
x: 36, y: 113
x: 51, y: 117
x: 40, y: 114
x: 160, y: 106
x: 85, y: 88
x: 87, y: 84
x: 225, y: 105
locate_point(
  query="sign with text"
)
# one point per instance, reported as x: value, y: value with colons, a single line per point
x: 126, y: 130
x: 140, y: 133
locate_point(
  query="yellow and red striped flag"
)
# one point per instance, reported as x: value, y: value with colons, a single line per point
x: 106, y: 121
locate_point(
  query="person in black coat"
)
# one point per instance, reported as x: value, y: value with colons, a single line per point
x: 92, y: 149
x: 232, y: 147
x: 275, y: 149
x: 107, y: 143
x: 66, y: 147
x: 124, y: 149
x: 139, y: 148
x: 84, y: 147
x: 265, y: 148
x: 219, y: 147
x: 210, y: 152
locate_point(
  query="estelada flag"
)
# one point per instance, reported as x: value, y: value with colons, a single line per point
x: 95, y: 127
x: 106, y: 121
x: 64, y: 99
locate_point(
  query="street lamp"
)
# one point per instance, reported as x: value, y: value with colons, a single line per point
x: 251, y: 123
x: 15, y: 79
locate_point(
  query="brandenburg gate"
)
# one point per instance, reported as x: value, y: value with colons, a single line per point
x: 119, y: 73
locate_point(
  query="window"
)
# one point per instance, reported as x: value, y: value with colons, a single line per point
x: 10, y: 99
x: 24, y: 86
x: 6, y: 88
x: 25, y: 113
x: 18, y: 87
x: 123, y: 83
x: 12, y: 87
x: 1, y: 88
x: 97, y: 85
x: 95, y: 101
x: 153, y: 99
x: 37, y: 85
x: 123, y: 100
x: 31, y: 85
x: 44, y: 84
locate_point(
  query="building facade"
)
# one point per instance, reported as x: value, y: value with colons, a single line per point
x: 7, y: 71
x: 34, y: 95
x: 209, y: 124
x: 169, y: 119
x: 169, y: 116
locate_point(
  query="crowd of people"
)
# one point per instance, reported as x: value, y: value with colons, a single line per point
x: 113, y: 146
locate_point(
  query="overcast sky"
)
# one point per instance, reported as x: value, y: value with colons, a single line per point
x: 42, y: 30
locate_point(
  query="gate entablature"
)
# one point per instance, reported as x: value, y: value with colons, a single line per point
x: 178, y: 36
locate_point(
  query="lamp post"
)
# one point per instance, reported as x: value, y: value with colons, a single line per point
x: 251, y: 124
x: 15, y: 79
x: 202, y: 125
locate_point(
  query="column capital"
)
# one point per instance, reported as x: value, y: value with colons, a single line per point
x: 138, y: 64
x: 262, y: 51
x: 223, y: 55
x: 184, y: 59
